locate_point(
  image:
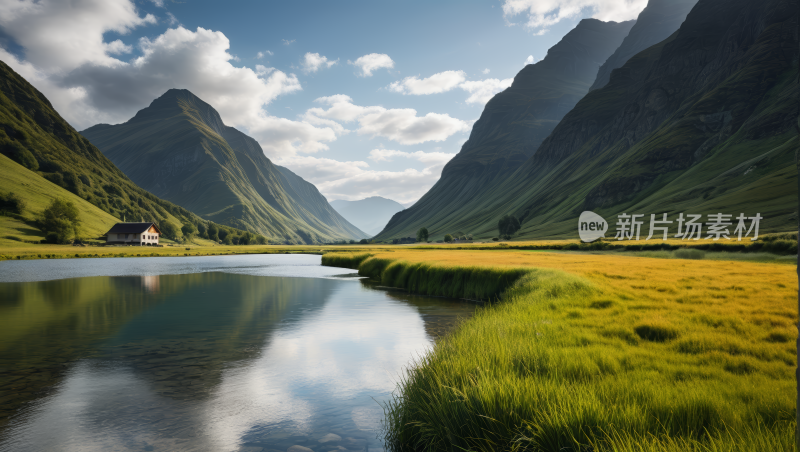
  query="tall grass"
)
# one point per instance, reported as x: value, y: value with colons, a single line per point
x: 344, y: 260
x: 604, y: 362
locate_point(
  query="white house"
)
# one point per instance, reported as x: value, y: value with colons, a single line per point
x: 141, y: 234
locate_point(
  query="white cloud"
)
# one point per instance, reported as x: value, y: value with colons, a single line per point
x: 485, y: 71
x: 261, y: 55
x: 401, y: 125
x: 545, y: 13
x: 288, y: 42
x: 354, y: 180
x: 159, y: 3
x: 61, y: 36
x: 530, y: 60
x: 263, y: 70
x: 312, y: 62
x: 436, y: 83
x: 481, y: 91
x: 371, y: 62
x: 386, y: 155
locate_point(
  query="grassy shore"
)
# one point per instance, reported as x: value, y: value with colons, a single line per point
x: 605, y: 352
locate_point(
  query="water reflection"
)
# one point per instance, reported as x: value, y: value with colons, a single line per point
x: 211, y: 361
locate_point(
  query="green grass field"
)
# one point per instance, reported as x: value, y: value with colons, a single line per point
x: 598, y: 352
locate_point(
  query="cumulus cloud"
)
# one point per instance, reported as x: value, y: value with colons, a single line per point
x: 481, y: 91
x: 436, y: 83
x: 62, y: 36
x: 401, y: 125
x: 355, y: 180
x: 312, y: 62
x: 530, y: 60
x: 288, y: 42
x: 545, y: 13
x: 485, y: 71
x: 372, y: 62
x: 261, y: 55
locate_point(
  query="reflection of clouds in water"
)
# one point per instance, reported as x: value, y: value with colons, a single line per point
x: 367, y: 418
x: 337, y: 358
x: 151, y: 283
x: 107, y: 409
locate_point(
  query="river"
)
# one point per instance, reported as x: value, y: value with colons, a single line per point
x: 257, y: 353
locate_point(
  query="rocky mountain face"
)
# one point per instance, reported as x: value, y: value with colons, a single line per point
x: 369, y: 214
x: 516, y: 121
x: 700, y: 122
x: 655, y: 23
x: 179, y: 149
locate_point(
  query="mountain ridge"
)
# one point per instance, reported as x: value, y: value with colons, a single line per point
x: 180, y: 148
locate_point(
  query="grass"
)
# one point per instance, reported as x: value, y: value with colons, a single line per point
x: 603, y: 353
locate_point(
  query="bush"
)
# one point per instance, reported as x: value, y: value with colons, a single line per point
x: 169, y: 230
x: 422, y: 235
x: 9, y: 202
x: 364, y: 241
x: 448, y: 238
x: 188, y: 230
x: 60, y: 221
x: 508, y: 225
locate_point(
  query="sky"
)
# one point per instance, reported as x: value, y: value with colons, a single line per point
x: 360, y: 98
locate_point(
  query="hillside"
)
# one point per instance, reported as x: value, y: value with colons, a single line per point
x: 179, y: 148
x: 516, y: 121
x: 34, y: 135
x: 655, y: 23
x: 369, y: 214
x: 699, y: 123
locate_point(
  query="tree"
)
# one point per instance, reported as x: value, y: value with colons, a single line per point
x: 364, y: 241
x: 9, y: 202
x: 448, y: 238
x: 202, y: 230
x: 422, y: 235
x: 188, y: 230
x: 508, y: 225
x: 60, y: 221
x: 212, y: 232
x: 169, y: 230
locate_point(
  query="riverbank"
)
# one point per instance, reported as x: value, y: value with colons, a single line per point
x: 598, y: 352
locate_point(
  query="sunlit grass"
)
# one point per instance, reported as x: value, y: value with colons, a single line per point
x: 619, y: 352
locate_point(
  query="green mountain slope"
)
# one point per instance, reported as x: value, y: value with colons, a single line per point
x: 516, y: 121
x: 699, y: 123
x: 179, y: 149
x: 369, y: 214
x: 34, y: 135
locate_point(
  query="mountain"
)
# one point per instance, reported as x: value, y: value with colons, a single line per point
x: 370, y: 214
x: 179, y: 148
x: 700, y: 123
x: 516, y: 121
x: 658, y: 20
x: 34, y: 136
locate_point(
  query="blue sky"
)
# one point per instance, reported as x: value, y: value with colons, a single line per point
x: 360, y: 98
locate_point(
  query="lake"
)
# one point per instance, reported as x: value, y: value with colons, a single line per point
x: 212, y: 353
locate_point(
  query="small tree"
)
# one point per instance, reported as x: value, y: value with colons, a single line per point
x: 508, y: 225
x: 60, y: 221
x: 9, y: 202
x: 364, y: 241
x: 212, y: 232
x: 448, y: 238
x: 422, y: 235
x: 169, y: 230
x: 188, y: 230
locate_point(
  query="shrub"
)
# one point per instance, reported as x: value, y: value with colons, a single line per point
x: 422, y: 235
x: 9, y: 202
x: 364, y: 241
x: 60, y: 221
x: 508, y: 225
